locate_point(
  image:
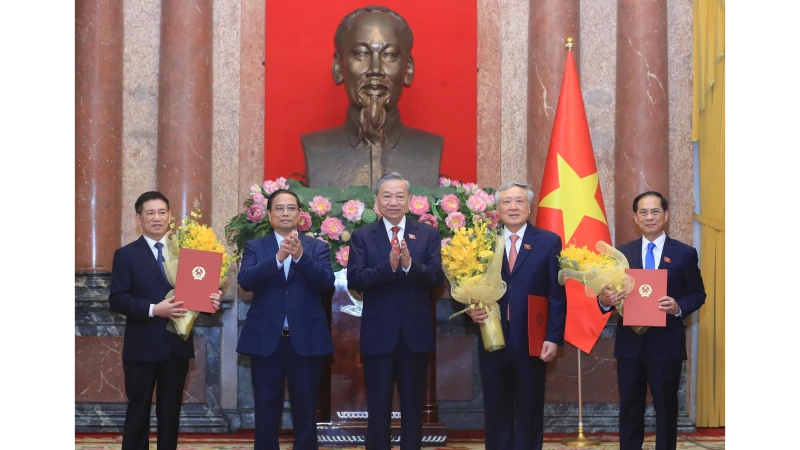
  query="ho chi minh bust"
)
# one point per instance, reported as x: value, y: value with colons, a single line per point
x: 373, y: 60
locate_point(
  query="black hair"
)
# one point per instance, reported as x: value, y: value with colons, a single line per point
x: 146, y: 197
x: 279, y: 192
x: 664, y: 202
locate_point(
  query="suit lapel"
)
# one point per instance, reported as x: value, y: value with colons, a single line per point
x: 636, y: 261
x: 270, y: 243
x: 149, y: 259
x: 304, y: 242
x: 666, y: 254
x: 528, y: 239
x: 412, y: 228
x: 381, y: 238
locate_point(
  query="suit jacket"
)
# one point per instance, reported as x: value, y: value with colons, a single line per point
x: 274, y: 297
x: 684, y: 284
x: 535, y: 273
x: 395, y: 302
x: 137, y: 282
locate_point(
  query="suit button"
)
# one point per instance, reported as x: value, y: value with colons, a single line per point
x: 398, y: 308
x: 283, y: 311
x: 286, y: 292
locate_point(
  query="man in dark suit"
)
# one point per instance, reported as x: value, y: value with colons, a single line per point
x: 395, y: 262
x: 513, y: 381
x: 286, y: 333
x: 151, y: 355
x: 654, y: 357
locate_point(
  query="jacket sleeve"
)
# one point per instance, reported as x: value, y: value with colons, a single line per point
x: 695, y: 294
x: 316, y: 266
x: 253, y: 272
x: 429, y: 273
x: 556, y: 298
x: 120, y: 296
x: 360, y: 277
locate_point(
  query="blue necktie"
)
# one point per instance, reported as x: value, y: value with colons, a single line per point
x: 650, y: 259
x: 160, y: 259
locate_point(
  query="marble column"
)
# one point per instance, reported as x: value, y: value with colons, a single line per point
x: 551, y: 23
x: 642, y: 110
x: 185, y: 106
x: 98, y: 132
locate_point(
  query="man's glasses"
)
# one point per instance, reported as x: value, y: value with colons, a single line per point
x: 655, y: 212
x: 291, y: 209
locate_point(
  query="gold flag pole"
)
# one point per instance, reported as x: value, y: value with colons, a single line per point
x: 581, y: 440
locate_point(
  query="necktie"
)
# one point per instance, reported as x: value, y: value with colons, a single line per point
x: 512, y: 258
x: 160, y: 259
x: 650, y: 259
x: 395, y: 240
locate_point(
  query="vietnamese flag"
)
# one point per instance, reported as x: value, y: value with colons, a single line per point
x: 571, y: 203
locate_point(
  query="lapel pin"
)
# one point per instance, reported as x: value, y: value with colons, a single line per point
x: 666, y: 260
x: 527, y: 246
x: 411, y: 236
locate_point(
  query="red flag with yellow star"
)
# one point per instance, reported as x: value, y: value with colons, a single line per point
x: 571, y: 203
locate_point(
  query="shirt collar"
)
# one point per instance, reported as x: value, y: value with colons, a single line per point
x: 392, y: 129
x: 389, y: 225
x: 152, y: 243
x: 279, y: 238
x: 659, y: 241
x: 521, y: 232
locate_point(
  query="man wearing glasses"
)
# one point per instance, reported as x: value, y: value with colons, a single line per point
x: 286, y: 333
x: 654, y: 357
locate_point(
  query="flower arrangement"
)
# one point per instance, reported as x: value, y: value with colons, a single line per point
x: 472, y: 260
x: 332, y: 215
x: 191, y: 234
x: 597, y: 269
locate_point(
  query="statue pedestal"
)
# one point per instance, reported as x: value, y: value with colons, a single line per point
x: 344, y: 419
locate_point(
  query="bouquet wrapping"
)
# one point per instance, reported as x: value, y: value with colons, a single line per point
x: 596, y: 270
x: 473, y: 261
x: 191, y: 234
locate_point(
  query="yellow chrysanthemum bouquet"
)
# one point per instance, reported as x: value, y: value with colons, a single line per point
x: 191, y: 234
x: 597, y: 269
x: 472, y: 261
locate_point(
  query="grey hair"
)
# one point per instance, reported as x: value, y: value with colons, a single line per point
x: 510, y: 185
x: 391, y: 176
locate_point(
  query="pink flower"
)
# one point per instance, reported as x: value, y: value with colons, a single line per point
x: 255, y: 213
x: 469, y: 187
x: 352, y: 210
x: 333, y: 227
x: 320, y: 205
x: 419, y: 205
x: 494, y: 219
x: 342, y: 255
x: 310, y: 234
x: 255, y: 189
x: 476, y: 203
x: 444, y: 181
x: 455, y: 183
x: 450, y: 203
x: 445, y: 242
x: 455, y: 220
x: 270, y: 187
x: 485, y: 195
x: 430, y: 219
x: 477, y: 218
x: 305, y: 222
x: 258, y: 199
x: 281, y: 182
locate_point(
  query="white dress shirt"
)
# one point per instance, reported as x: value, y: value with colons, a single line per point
x: 656, y: 250
x: 164, y: 252
x: 400, y: 234
x: 285, y: 268
x: 507, y: 235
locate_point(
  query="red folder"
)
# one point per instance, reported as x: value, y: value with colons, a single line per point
x: 537, y: 323
x: 641, y: 306
x: 198, y: 278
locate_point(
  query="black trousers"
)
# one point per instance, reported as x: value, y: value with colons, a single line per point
x: 168, y: 378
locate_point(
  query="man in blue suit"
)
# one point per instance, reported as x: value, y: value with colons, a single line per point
x: 395, y: 262
x: 513, y: 381
x: 655, y: 357
x: 152, y: 357
x: 286, y: 332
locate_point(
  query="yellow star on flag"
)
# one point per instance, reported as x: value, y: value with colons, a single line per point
x: 574, y: 197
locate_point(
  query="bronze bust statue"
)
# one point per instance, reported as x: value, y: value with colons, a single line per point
x: 373, y: 60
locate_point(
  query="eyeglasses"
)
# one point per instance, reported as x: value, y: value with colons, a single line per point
x: 655, y: 212
x: 291, y: 209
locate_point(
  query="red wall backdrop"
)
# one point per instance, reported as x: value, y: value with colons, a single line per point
x: 300, y: 95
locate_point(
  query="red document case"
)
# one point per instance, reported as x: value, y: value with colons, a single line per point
x: 537, y: 323
x: 641, y: 305
x: 198, y: 278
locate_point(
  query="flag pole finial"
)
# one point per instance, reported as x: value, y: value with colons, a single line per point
x: 570, y: 43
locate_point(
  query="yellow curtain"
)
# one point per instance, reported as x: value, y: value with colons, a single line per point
x: 708, y: 129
